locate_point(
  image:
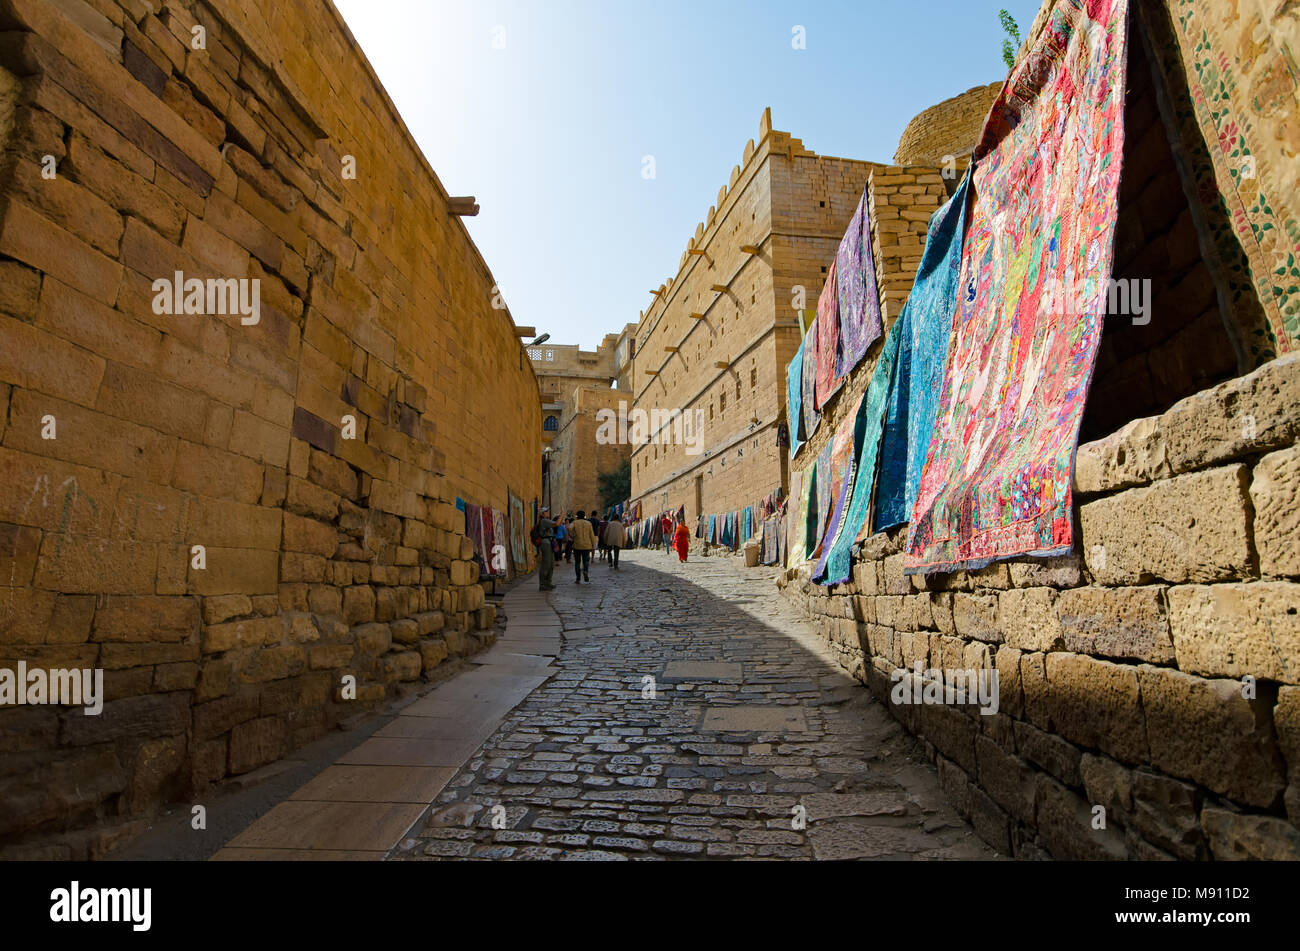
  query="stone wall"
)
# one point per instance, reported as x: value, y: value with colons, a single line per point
x: 325, y: 556
x: 901, y: 200
x: 945, y: 134
x: 578, y: 458
x: 1155, y: 672
x: 774, y: 229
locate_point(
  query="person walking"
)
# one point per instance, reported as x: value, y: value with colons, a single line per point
x: 615, y: 539
x: 682, y: 541
x: 561, y: 537
x: 666, y: 526
x: 601, y: 528
x: 544, y: 539
x: 584, y: 540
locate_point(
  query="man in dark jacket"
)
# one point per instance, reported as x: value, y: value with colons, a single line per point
x: 545, y: 535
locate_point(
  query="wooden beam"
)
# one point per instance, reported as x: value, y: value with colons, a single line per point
x: 720, y: 288
x: 464, y: 207
x: 670, y: 349
x: 749, y: 249
x: 655, y: 293
x: 722, y: 364
x: 697, y: 316
x: 651, y: 372
x: 698, y: 252
x: 526, y: 331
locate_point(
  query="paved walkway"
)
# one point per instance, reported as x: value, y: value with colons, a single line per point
x: 361, y: 807
x: 692, y: 714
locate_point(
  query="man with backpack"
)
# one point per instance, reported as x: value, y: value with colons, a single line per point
x: 543, y: 537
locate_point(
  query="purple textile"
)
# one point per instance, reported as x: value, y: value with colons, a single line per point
x: 859, y: 299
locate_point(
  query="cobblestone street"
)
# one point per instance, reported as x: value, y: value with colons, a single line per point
x: 753, y: 744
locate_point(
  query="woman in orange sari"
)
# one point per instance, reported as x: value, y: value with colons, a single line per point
x: 682, y: 541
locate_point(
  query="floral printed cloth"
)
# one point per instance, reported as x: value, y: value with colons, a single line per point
x: 1037, y: 258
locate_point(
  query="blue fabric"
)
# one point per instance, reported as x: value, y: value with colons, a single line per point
x: 869, y: 423
x: 808, y: 385
x: 846, y: 491
x: 460, y: 503
x: 794, y: 401
x: 918, y: 377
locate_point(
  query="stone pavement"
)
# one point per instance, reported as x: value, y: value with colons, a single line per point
x: 693, y: 714
x: 360, y: 807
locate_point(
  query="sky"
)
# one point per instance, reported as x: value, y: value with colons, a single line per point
x: 547, y: 111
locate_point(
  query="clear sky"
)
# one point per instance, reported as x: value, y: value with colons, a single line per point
x: 545, y: 110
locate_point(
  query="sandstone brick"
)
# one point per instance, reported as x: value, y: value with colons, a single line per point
x: 20, y: 289
x: 236, y: 571
x: 297, y: 567
x: 1188, y: 528
x: 433, y: 651
x: 273, y: 663
x: 1028, y: 620
x: 95, y: 565
x: 1275, y: 492
x: 1166, y: 812
x: 224, y: 607
x: 1205, y: 731
x: 329, y: 656
x: 1065, y: 822
x: 402, y: 666
x: 405, y: 632
x: 1234, y: 630
x: 1233, y: 836
x: 1117, y: 622
x: 1008, y: 779
x: 256, y: 743
x: 373, y: 638
x: 1094, y: 703
x: 976, y: 616
x: 35, y: 240
x: 1065, y: 570
x: 254, y: 632
x: 308, y: 535
x: 37, y: 360
x: 146, y: 619
x: 1052, y: 753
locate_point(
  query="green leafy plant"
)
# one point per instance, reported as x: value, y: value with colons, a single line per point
x: 616, y: 485
x: 1011, y: 42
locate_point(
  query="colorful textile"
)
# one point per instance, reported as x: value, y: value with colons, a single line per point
x: 1220, y: 69
x: 1035, y: 268
x: 794, y: 400
x: 501, y: 536
x: 808, y: 398
x: 782, y: 539
x: 805, y: 538
x: 796, y: 499
x: 835, y: 566
x: 859, y: 299
x: 518, y: 533
x: 828, y: 341
x: 1239, y: 61
x: 474, y: 529
x: 918, y: 371
x: 823, y: 500
x: 682, y: 541
x: 769, y: 541
x: 489, y: 539
x: 844, y: 459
